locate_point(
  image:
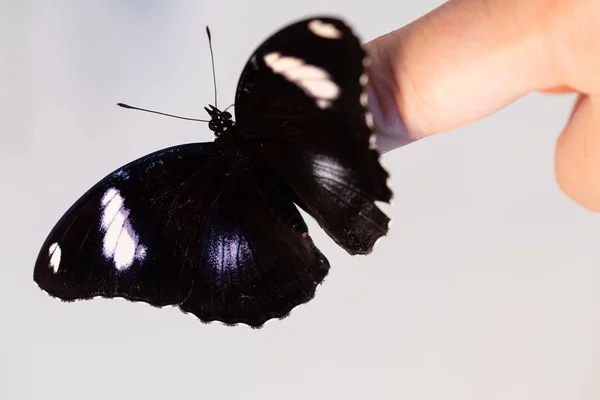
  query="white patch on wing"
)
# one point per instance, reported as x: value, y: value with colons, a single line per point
x: 125, y: 249
x: 112, y: 233
x: 314, y: 81
x: 323, y: 103
x: 372, y: 142
x: 55, y: 253
x: 120, y: 243
x: 324, y: 29
x: 369, y: 119
x: 108, y: 196
x: 364, y: 99
x: 363, y: 79
x: 111, y: 211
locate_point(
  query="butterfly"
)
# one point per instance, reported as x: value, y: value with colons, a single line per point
x: 214, y: 228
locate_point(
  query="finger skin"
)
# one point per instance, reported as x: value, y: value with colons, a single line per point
x: 577, y: 157
x: 461, y: 62
x: 470, y: 58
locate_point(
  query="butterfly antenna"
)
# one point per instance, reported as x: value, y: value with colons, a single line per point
x: 228, y: 107
x: 212, y: 59
x: 161, y: 113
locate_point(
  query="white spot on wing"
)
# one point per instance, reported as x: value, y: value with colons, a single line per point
x: 271, y: 59
x: 372, y: 142
x: 108, y: 196
x: 324, y: 29
x: 125, y: 249
x: 120, y: 243
x: 113, y: 233
x: 55, y: 253
x: 282, y: 64
x: 111, y: 211
x: 369, y: 119
x: 363, y: 79
x: 364, y: 99
x: 314, y: 81
x: 323, y: 103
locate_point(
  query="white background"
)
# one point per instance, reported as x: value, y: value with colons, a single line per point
x: 485, y: 288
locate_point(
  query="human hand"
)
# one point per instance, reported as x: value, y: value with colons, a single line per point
x: 469, y: 58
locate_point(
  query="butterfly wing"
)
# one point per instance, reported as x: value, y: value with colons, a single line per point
x: 129, y: 235
x: 185, y: 226
x: 302, y: 106
x: 258, y: 261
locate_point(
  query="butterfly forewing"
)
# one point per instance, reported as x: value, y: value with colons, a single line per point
x: 311, y: 127
x: 132, y: 235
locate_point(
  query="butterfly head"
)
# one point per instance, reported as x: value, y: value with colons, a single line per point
x: 220, y: 121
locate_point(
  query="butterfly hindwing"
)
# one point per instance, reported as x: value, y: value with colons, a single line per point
x: 258, y: 261
x: 312, y: 127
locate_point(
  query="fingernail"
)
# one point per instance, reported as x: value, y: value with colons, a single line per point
x: 391, y: 132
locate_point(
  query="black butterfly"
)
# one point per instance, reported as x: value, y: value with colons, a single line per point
x: 213, y: 228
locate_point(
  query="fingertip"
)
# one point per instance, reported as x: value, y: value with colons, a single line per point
x: 577, y: 156
x: 390, y: 131
x: 457, y: 64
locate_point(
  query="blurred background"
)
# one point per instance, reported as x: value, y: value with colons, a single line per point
x: 485, y: 287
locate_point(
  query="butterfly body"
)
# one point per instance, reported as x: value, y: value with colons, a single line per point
x: 232, y: 145
x: 214, y: 228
